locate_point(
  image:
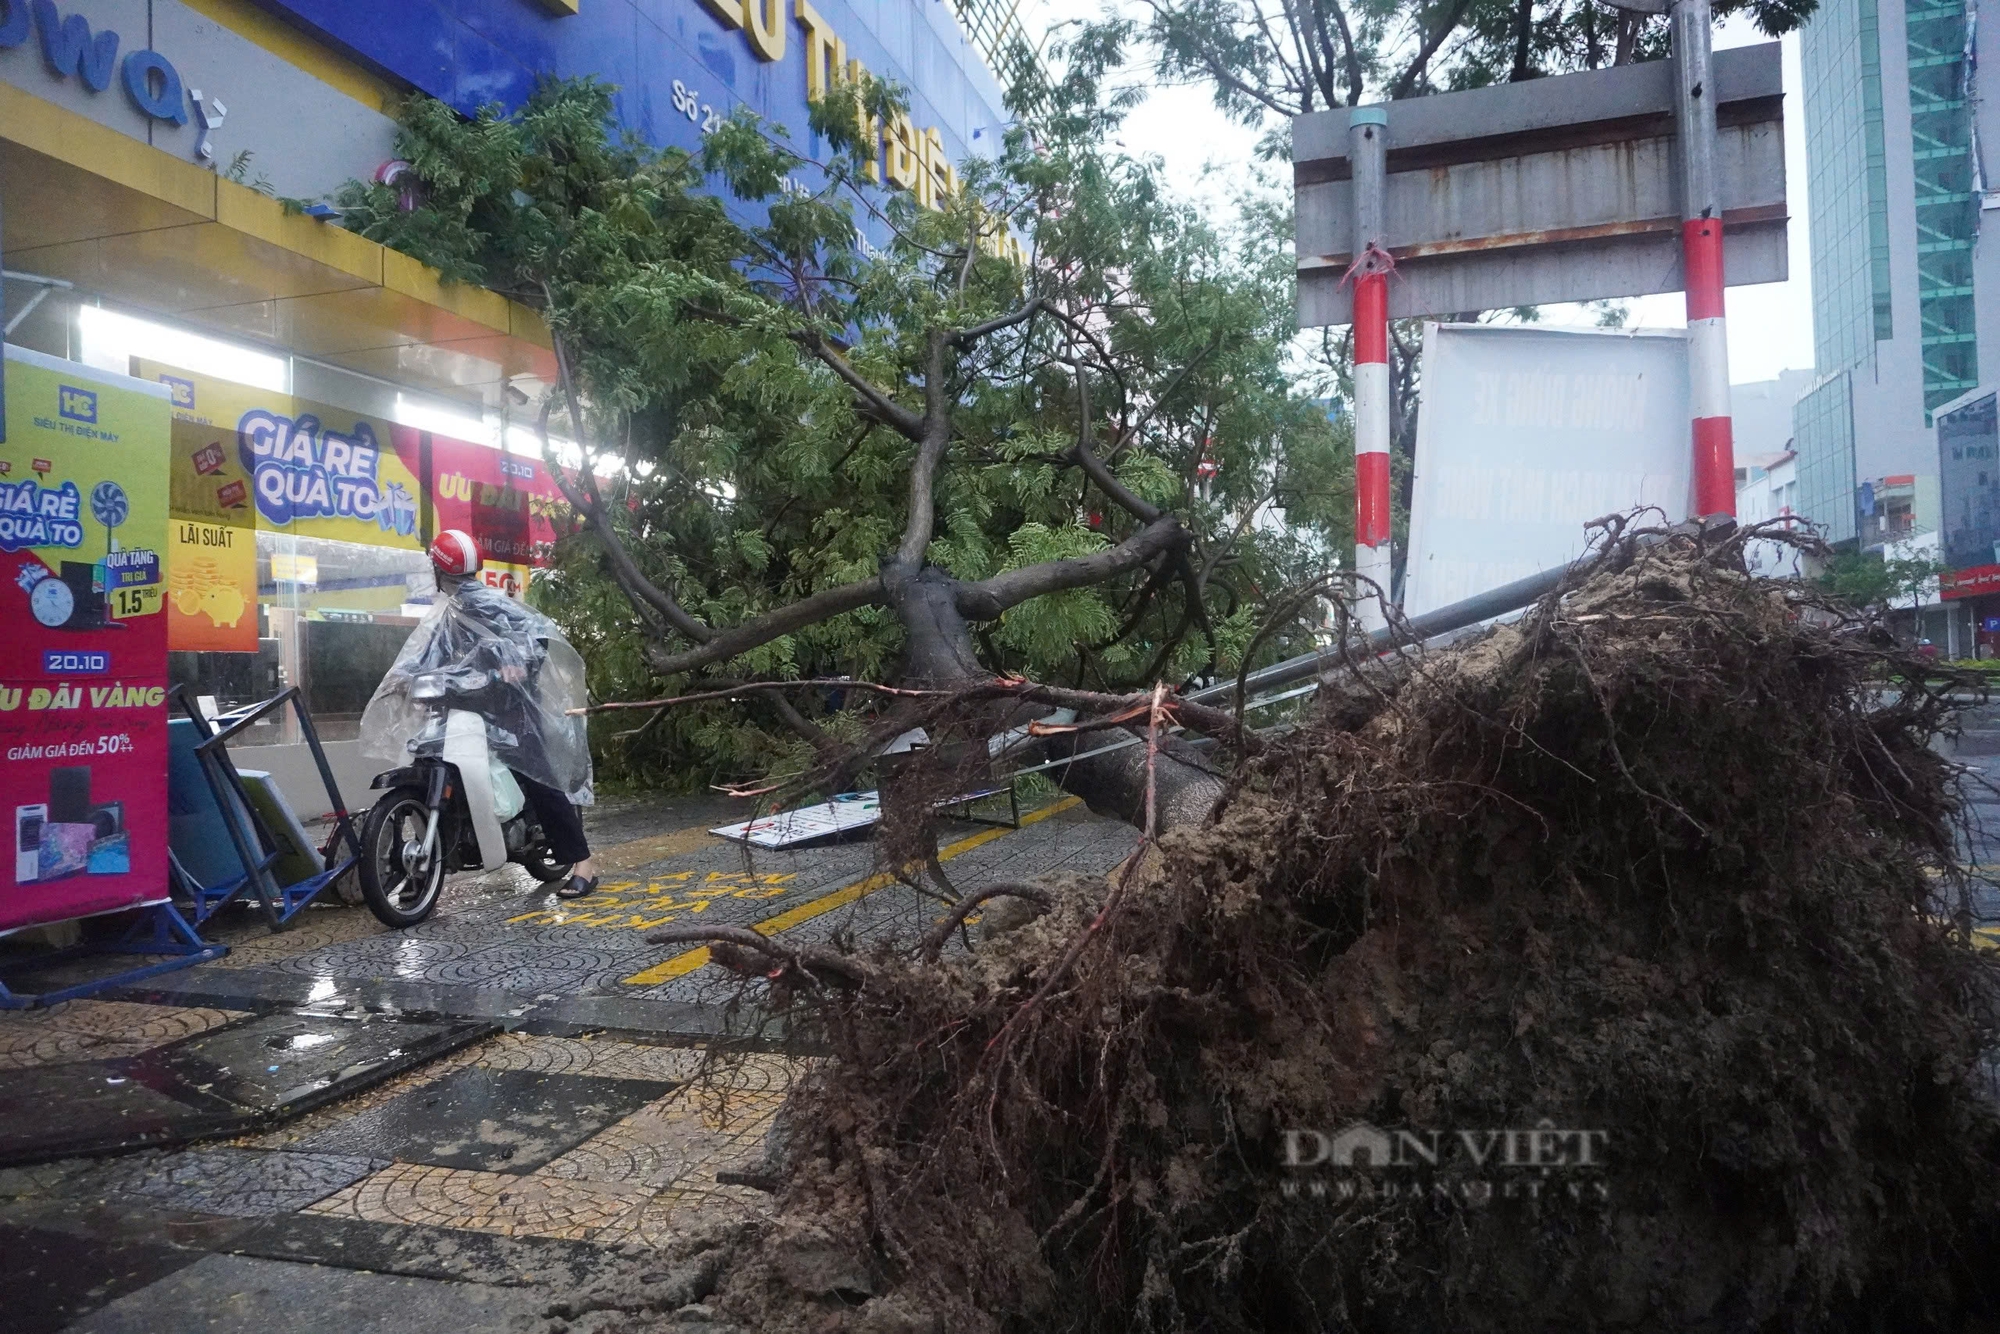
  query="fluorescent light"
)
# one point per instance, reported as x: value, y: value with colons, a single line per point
x: 525, y: 440
x: 111, y: 340
x: 443, y: 421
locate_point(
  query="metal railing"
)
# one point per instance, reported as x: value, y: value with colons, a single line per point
x: 996, y: 32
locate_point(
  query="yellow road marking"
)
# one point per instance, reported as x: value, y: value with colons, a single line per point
x: 683, y: 964
x: 657, y: 848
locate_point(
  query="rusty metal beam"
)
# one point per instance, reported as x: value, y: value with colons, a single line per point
x: 1568, y: 191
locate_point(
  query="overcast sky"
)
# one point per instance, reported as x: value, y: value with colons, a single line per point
x: 1206, y: 156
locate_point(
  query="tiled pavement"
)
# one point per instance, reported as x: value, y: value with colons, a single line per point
x: 597, y: 1120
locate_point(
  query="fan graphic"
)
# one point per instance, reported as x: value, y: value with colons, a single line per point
x: 108, y: 503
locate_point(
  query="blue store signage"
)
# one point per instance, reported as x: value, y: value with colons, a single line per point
x: 72, y: 50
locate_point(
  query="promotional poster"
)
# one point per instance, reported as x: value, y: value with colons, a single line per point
x: 508, y: 502
x: 211, y: 587
x: 83, y: 667
x: 263, y: 459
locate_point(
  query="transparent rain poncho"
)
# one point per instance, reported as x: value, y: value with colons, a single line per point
x: 462, y: 656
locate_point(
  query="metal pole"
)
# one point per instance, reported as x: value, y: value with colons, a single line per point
x: 1701, y: 252
x: 1367, y: 136
x: 1459, y: 615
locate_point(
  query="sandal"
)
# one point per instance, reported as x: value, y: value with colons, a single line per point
x: 576, y: 887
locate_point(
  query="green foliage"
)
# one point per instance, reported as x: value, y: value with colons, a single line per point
x: 1865, y: 579
x: 1267, y: 61
x: 741, y: 473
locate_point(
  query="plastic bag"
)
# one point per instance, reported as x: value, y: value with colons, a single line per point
x: 508, y: 799
x: 478, y: 649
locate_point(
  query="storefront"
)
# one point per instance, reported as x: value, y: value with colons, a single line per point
x: 1969, y: 536
x: 316, y: 380
x: 334, y: 403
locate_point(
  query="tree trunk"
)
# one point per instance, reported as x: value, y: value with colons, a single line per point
x: 1524, y: 27
x: 1186, y: 785
x: 939, y: 652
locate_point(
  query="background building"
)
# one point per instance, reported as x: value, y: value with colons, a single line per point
x: 1903, y: 279
x: 142, y: 147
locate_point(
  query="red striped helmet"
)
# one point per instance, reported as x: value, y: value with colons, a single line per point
x: 454, y: 552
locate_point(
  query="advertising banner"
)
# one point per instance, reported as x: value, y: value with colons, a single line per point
x: 83, y: 540
x: 255, y: 458
x: 286, y: 465
x: 1528, y: 434
x: 508, y: 502
x: 211, y: 587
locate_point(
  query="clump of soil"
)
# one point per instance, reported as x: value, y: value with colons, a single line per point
x: 1671, y: 859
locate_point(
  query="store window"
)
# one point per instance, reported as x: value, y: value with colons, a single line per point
x: 302, y: 497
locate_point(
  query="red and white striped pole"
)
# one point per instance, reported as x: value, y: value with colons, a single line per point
x: 1367, y: 134
x: 1701, y: 256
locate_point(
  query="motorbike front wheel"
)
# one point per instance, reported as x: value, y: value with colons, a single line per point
x: 400, y: 882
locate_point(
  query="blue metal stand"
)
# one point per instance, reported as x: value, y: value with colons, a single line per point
x: 280, y: 902
x: 159, y: 929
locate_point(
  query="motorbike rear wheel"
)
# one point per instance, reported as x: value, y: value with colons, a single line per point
x: 400, y: 885
x: 543, y: 866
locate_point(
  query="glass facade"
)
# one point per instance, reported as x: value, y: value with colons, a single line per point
x: 1947, y: 202
x: 1969, y: 447
x: 1847, y: 181
x: 1823, y: 421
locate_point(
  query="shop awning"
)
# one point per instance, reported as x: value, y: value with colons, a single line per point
x: 142, y: 228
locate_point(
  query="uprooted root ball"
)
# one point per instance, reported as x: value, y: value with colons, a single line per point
x: 1668, y: 865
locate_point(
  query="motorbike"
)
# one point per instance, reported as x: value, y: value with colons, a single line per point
x: 452, y: 808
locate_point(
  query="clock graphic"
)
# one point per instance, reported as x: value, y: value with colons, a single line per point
x: 52, y: 602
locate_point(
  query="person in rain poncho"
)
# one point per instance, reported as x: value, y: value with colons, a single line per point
x: 513, y: 667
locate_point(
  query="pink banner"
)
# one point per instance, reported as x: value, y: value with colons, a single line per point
x: 508, y: 502
x: 83, y: 662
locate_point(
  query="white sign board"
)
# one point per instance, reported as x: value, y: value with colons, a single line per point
x: 849, y: 810
x: 1527, y: 434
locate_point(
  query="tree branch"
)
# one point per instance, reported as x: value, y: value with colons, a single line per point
x: 890, y: 412
x: 817, y: 965
x: 1094, y: 467
x: 756, y: 633
x: 641, y: 590
x: 1408, y: 82
x: 988, y: 598
x: 965, y: 338
x: 934, y: 436
x: 934, y: 939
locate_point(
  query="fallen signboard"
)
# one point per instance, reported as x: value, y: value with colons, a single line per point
x: 848, y: 811
x: 1527, y: 434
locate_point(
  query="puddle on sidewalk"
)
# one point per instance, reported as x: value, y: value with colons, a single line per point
x: 233, y: 1077
x: 490, y: 1120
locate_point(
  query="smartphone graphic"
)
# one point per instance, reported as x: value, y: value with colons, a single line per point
x: 28, y: 822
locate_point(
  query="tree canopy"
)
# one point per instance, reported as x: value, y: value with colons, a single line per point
x: 939, y: 457
x: 1282, y: 58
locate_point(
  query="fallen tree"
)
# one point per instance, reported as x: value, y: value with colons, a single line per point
x: 1661, y: 878
x: 1036, y: 435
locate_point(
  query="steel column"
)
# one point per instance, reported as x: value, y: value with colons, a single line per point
x: 1367, y: 129
x: 1714, y: 470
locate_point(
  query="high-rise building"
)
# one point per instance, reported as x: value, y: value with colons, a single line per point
x: 1904, y: 296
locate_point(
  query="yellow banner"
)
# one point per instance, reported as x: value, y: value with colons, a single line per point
x: 247, y: 456
x: 83, y: 519
x: 211, y: 588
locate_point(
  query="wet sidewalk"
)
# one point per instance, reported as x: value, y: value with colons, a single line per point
x: 448, y: 1126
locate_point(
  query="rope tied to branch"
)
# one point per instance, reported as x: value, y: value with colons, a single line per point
x: 1372, y: 260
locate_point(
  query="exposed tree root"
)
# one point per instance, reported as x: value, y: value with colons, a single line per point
x: 1663, y: 876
